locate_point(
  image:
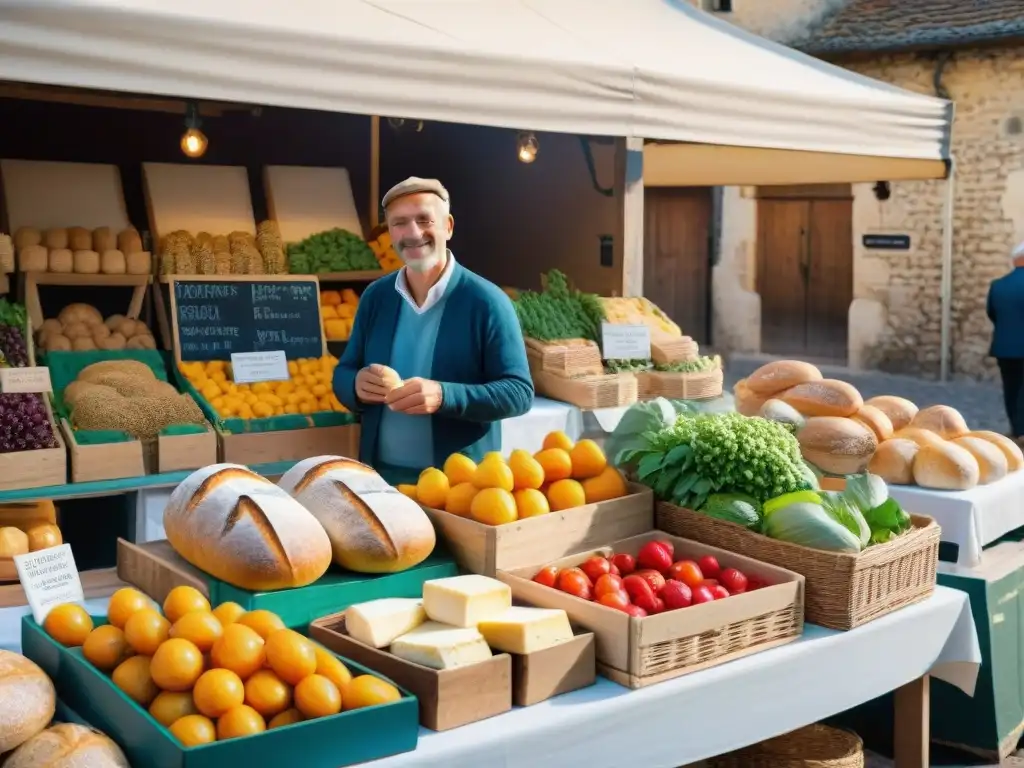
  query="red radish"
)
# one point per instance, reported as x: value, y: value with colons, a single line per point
x: 676, y: 595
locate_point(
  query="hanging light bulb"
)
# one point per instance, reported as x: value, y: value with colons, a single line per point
x: 527, y: 147
x: 193, y: 140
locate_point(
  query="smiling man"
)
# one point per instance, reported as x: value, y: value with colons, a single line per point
x: 436, y: 358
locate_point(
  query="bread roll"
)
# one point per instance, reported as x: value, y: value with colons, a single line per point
x: 103, y: 240
x: 920, y: 436
x: 373, y: 528
x: 1010, y: 449
x: 942, y: 420
x: 992, y: 464
x: 946, y: 467
x: 241, y: 528
x: 899, y: 410
x: 33, y: 258
x: 113, y: 263
x: 836, y: 445
x: 86, y: 262
x: 60, y: 260
x: 828, y: 397
x: 68, y: 745
x: 13, y: 541
x: 80, y: 313
x: 747, y: 403
x: 894, y: 461
x: 875, y: 420
x: 780, y: 375
x: 55, y: 239
x: 138, y: 263
x: 776, y: 410
x: 79, y: 239
x: 26, y: 237
x: 129, y: 241
x: 27, y: 700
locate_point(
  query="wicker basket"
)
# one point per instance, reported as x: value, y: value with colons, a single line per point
x: 569, y: 358
x: 843, y: 590
x: 673, y: 350
x: 816, y: 746
x: 703, y: 385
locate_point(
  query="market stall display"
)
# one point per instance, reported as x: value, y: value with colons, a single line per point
x: 26, y: 528
x: 384, y: 250
x: 81, y: 327
x: 331, y: 252
x: 338, y: 310
x: 237, y: 253
x: 81, y: 251
x: 305, y: 200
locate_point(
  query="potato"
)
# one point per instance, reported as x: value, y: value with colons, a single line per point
x: 83, y: 344
x: 57, y: 342
x: 114, y: 341
x: 55, y: 239
x: 113, y: 321
x: 77, y: 331
x: 26, y: 237
x: 79, y: 239
x: 99, y: 332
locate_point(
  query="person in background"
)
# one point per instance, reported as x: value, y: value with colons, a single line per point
x: 1005, y: 308
x: 436, y: 358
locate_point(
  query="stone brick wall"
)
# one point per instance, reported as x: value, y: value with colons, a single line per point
x: 780, y: 20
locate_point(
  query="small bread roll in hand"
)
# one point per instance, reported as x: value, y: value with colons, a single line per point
x: 388, y: 376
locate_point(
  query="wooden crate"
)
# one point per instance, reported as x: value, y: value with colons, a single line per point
x: 605, y: 391
x: 567, y: 358
x: 448, y: 698
x: 140, y: 284
x: 485, y: 549
x: 553, y: 671
x: 705, y: 385
x: 36, y: 469
x: 640, y: 652
x: 288, y: 445
x: 673, y: 349
x: 103, y: 461
x: 175, y: 453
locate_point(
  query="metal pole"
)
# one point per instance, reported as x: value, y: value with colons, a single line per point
x: 947, y: 273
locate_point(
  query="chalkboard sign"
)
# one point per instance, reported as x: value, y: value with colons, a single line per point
x: 886, y: 242
x: 215, y: 317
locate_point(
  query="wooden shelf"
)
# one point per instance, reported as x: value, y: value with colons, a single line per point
x: 355, y: 276
x: 360, y: 276
x: 75, y: 278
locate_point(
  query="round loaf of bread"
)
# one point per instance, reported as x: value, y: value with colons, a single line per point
x: 899, y: 410
x: 68, y: 745
x: 373, y: 528
x: 239, y: 527
x: 836, y: 445
x: 774, y: 377
x: 27, y: 700
x: 942, y: 420
x: 894, y: 461
x: 747, y: 403
x: 828, y: 397
x: 1012, y: 452
x: 946, y: 467
x: 992, y: 464
x: 875, y: 420
x: 922, y: 437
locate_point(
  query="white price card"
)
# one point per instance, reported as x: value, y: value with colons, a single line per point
x: 625, y: 342
x: 34, y: 380
x: 253, y: 367
x: 49, y: 578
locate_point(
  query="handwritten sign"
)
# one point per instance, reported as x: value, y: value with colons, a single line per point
x: 49, y: 578
x: 217, y: 319
x: 34, y: 380
x: 625, y: 342
x: 253, y: 367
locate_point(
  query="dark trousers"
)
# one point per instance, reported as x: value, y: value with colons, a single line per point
x: 1011, y: 369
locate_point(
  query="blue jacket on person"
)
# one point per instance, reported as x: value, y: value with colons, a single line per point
x: 1006, y: 311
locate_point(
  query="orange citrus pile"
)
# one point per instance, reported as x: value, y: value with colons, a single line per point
x: 496, y: 491
x: 209, y: 675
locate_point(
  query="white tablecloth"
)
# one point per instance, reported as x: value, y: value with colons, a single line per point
x: 712, y: 712
x: 528, y: 431
x: 970, y: 519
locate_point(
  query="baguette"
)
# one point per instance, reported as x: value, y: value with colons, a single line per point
x: 1012, y: 452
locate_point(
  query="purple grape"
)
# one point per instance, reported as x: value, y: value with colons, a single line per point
x: 12, y: 346
x: 24, y: 425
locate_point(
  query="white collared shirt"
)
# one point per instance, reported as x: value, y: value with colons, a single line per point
x: 436, y: 291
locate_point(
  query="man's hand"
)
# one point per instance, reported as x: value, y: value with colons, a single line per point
x: 371, y: 386
x: 416, y: 397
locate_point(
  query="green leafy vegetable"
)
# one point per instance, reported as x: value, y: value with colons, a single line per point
x: 700, y: 365
x: 559, y: 312
x: 336, y: 250
x: 847, y: 515
x: 735, y: 508
x: 13, y: 314
x: 809, y: 525
x: 883, y: 514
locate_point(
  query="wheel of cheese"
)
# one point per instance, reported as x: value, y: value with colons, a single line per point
x: 27, y: 700
x: 241, y: 528
x: 373, y: 527
x: 894, y: 461
x: 836, y: 445
x: 747, y: 403
x: 875, y: 419
x: 828, y: 397
x: 1012, y: 452
x: 992, y: 464
x: 68, y: 745
x: 942, y: 420
x: 922, y: 437
x: 946, y: 467
x: 780, y: 375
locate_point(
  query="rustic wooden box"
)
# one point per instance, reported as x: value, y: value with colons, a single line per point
x: 106, y: 461
x: 36, y: 469
x: 556, y: 670
x: 567, y: 358
x: 250, y: 448
x: 175, y: 453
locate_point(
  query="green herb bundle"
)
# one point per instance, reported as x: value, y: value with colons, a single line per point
x: 559, y: 312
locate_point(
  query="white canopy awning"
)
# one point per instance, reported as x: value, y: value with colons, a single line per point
x: 654, y: 69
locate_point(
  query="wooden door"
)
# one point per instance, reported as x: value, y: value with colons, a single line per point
x: 677, y: 264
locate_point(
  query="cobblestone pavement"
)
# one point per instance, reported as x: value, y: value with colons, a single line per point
x: 980, y: 403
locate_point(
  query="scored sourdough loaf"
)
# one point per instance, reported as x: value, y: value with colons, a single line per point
x: 27, y: 700
x: 894, y: 461
x: 242, y: 529
x: 946, y: 467
x: 828, y: 397
x: 780, y: 375
x: 1012, y: 452
x: 836, y: 445
x: 68, y: 745
x: 373, y: 527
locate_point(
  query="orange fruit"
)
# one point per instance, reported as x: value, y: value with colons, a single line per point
x: 132, y: 676
x: 330, y: 666
x: 566, y: 494
x: 290, y: 655
x: 557, y: 440
x: 69, y: 624
x: 493, y: 506
x: 460, y: 498
x: 239, y: 721
x: 556, y: 462
x: 316, y: 696
x: 124, y: 603
x: 406, y: 490
x: 170, y: 706
x: 176, y: 665
x: 182, y: 600
x: 530, y: 503
x: 217, y: 691
x: 193, y: 730
x: 267, y: 693
x: 588, y: 460
x: 199, y: 627
x: 494, y: 473
x: 432, y: 489
x: 608, y: 485
x: 459, y: 468
x: 288, y: 717
x: 105, y: 647
x: 228, y: 613
x: 145, y: 630
x: 526, y: 470
x: 368, y: 691
x: 264, y: 622
x: 240, y: 649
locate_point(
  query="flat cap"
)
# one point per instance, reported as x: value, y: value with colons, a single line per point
x: 414, y: 185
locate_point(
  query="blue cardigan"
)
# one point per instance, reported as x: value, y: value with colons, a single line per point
x: 479, y: 358
x: 1005, y: 308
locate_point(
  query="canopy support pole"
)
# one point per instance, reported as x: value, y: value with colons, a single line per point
x: 374, y: 171
x: 629, y: 210
x: 945, y: 353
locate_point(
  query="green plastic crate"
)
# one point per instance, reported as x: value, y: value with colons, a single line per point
x: 330, y: 742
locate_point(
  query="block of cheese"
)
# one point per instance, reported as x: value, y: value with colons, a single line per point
x: 378, y: 622
x: 465, y: 601
x: 441, y: 646
x: 526, y: 630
